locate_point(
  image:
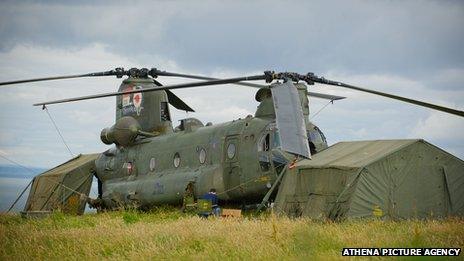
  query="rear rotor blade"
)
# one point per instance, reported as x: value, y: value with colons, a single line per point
x: 167, y: 87
x: 177, y: 102
x: 254, y: 85
x: 174, y: 100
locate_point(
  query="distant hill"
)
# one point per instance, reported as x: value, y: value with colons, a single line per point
x: 11, y: 171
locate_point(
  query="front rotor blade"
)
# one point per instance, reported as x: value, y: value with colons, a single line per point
x: 254, y: 85
x: 325, y: 96
x: 167, y: 87
x: 44, y: 79
x: 290, y: 119
x: 396, y: 97
x: 106, y: 73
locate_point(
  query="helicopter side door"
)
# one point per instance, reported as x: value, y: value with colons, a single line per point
x: 232, y: 172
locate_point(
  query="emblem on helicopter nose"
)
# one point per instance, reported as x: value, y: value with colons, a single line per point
x: 132, y: 103
x: 126, y: 97
x: 137, y: 100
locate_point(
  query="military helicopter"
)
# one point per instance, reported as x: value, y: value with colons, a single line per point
x: 153, y: 163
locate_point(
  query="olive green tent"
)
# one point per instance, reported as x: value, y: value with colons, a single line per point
x: 392, y: 179
x: 64, y: 187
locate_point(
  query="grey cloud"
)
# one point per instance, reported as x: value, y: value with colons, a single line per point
x: 357, y: 36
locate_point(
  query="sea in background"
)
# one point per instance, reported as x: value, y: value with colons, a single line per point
x: 14, y: 179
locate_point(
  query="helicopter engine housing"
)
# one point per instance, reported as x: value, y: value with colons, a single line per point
x: 123, y: 133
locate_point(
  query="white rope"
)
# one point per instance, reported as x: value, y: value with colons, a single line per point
x: 58, y: 130
x: 320, y: 110
x: 24, y: 190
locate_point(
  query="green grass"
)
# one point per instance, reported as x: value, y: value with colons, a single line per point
x: 168, y: 234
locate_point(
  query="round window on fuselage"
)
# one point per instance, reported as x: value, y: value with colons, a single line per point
x: 152, y: 164
x: 202, y: 155
x: 231, y: 151
x: 176, y: 160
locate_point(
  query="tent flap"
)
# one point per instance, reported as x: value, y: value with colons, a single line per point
x: 65, y: 187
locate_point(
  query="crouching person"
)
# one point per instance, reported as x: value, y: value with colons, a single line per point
x: 212, y: 197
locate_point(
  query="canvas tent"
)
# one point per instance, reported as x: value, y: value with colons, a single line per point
x: 392, y: 179
x: 63, y: 187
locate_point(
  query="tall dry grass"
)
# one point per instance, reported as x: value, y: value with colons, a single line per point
x: 167, y: 234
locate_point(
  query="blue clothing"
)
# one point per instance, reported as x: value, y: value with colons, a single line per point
x: 217, y: 211
x: 212, y: 197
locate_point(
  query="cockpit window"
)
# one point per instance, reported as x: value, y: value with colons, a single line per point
x: 316, y: 139
x: 321, y: 133
x: 263, y: 144
x: 316, y: 136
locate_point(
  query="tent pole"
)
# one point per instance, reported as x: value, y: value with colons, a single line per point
x: 20, y: 195
x: 268, y: 194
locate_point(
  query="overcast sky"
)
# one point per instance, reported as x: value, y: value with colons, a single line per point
x: 408, y: 48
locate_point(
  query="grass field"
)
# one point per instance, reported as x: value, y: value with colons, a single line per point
x: 168, y: 234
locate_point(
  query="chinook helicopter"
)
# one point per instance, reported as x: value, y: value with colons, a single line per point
x: 150, y: 162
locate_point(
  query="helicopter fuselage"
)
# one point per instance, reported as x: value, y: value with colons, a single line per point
x: 235, y: 158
